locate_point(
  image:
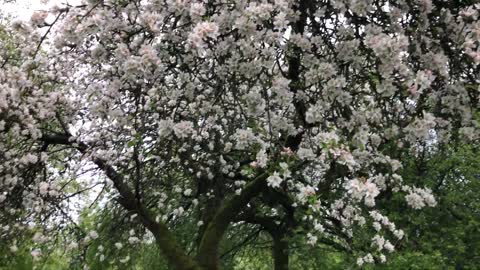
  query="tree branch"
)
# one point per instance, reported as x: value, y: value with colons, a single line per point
x: 165, y: 239
x: 208, y: 249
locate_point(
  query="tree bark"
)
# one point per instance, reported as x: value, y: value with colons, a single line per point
x: 280, y: 252
x: 208, y: 251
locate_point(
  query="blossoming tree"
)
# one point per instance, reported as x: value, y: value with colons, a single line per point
x: 293, y: 116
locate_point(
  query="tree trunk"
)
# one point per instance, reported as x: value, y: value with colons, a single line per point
x: 207, y: 255
x: 280, y: 252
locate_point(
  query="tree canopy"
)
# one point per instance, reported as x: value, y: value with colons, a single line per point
x: 203, y: 128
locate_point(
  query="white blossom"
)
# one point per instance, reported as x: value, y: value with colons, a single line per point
x: 274, y: 180
x: 261, y: 158
x: 13, y: 248
x: 419, y: 198
x: 93, y: 235
x: 36, y: 254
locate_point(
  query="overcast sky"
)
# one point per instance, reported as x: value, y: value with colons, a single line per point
x: 23, y: 9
